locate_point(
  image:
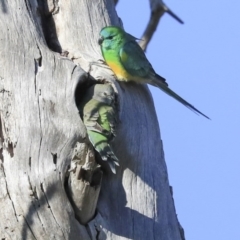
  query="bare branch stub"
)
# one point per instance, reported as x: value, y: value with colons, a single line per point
x: 84, y: 183
x: 151, y: 27
x: 158, y: 8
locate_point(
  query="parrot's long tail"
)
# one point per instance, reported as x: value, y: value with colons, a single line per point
x: 166, y: 89
x: 108, y: 155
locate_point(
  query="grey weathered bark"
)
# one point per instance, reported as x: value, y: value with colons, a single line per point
x: 42, y: 135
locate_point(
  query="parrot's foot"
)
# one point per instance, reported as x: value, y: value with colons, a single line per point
x: 113, y: 75
x: 102, y: 61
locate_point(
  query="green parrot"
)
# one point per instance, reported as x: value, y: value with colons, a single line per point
x: 98, y: 109
x: 129, y: 63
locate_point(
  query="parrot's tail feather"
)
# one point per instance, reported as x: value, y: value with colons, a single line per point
x: 112, y: 166
x: 117, y: 163
x: 160, y: 78
x: 171, y: 93
x: 108, y: 155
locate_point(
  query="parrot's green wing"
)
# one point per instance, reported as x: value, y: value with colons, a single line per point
x: 91, y: 116
x: 99, y: 117
x: 135, y: 62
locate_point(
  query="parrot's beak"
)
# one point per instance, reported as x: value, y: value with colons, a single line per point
x: 100, y: 40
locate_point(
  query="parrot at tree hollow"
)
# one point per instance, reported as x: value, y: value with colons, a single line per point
x: 98, y: 109
x: 129, y: 63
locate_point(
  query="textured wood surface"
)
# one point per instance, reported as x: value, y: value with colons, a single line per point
x: 40, y: 129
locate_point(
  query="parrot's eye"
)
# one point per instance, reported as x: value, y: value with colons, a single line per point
x: 110, y: 37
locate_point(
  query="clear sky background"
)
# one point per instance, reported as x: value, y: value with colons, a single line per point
x: 201, y: 62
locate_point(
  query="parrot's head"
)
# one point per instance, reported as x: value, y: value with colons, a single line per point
x: 112, y: 37
x: 104, y: 93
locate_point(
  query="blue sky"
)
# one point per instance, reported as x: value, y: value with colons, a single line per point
x: 201, y: 62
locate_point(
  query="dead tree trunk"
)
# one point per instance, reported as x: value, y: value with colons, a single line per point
x: 42, y: 134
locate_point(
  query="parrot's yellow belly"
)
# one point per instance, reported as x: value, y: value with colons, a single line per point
x: 120, y: 72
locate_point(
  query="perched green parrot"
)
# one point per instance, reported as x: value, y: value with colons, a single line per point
x: 129, y: 63
x: 98, y: 110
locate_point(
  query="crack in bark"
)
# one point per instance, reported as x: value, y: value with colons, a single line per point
x: 1, y: 150
x: 40, y: 144
x: 41, y: 186
x: 1, y: 140
x: 33, y: 212
x: 29, y: 10
x: 9, y: 196
x: 34, y: 194
x: 38, y: 64
x: 29, y: 227
x: 9, y: 148
x: 38, y: 97
x: 28, y: 7
x: 30, y: 162
x: 33, y: 189
x: 73, y: 70
x: 54, y: 155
